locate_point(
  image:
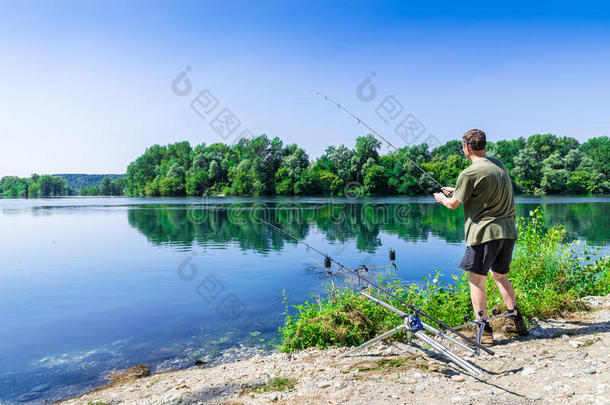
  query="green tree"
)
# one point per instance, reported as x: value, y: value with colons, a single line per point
x: 527, y: 170
x: 506, y: 151
x: 106, y: 186
x: 34, y: 190
x: 375, y: 179
x: 598, y: 149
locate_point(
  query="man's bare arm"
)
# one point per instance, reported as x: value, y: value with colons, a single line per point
x: 451, y: 203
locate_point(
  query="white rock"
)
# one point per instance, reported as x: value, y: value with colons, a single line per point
x: 575, y: 343
x: 528, y: 371
x: 535, y: 397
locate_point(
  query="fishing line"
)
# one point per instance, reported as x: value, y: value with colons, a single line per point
x: 372, y: 284
x: 340, y: 107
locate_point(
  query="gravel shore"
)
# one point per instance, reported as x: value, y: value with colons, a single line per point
x: 562, y: 361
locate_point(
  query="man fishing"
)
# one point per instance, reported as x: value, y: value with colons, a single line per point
x: 485, y: 190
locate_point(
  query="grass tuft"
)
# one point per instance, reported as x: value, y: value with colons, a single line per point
x: 275, y: 384
x: 590, y: 341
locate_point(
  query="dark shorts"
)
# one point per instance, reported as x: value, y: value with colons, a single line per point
x: 495, y: 255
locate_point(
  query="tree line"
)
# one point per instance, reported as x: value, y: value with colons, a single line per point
x: 82, y: 181
x: 40, y: 186
x: 540, y: 164
x: 107, y: 187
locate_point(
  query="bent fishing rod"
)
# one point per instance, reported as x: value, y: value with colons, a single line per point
x: 385, y: 291
x: 340, y: 107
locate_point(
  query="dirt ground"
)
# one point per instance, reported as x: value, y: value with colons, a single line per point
x: 561, y: 361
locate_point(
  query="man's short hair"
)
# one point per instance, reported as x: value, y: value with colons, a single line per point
x: 475, y: 139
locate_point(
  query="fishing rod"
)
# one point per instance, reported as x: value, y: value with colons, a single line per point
x: 340, y: 107
x: 418, y: 311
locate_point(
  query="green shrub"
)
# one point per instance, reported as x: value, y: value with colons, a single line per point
x: 548, y: 275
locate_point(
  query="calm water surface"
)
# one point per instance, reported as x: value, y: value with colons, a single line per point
x: 90, y: 285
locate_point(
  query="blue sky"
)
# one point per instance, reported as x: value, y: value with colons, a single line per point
x: 86, y: 85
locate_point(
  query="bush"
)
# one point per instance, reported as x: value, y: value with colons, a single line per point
x: 548, y: 275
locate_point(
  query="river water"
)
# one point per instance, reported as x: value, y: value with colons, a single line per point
x: 91, y: 285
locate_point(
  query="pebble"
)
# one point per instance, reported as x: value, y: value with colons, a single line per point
x: 528, y: 371
x: 575, y: 343
x: 324, y: 384
x: 535, y: 397
x: 458, y: 378
x: 420, y: 387
x: 343, y: 393
x: 590, y: 371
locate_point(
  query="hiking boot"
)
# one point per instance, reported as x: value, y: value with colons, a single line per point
x: 487, y: 339
x: 515, y: 324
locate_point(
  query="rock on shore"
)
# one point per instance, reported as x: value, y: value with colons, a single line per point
x: 562, y: 361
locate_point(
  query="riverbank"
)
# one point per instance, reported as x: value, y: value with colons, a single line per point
x: 562, y: 360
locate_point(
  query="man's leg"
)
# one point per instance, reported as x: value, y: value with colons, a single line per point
x: 514, y: 323
x: 506, y: 289
x: 477, y: 294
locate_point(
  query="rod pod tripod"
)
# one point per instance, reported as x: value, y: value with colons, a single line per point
x: 413, y: 325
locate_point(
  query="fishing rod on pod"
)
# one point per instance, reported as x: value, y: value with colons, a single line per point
x: 378, y: 135
x: 416, y: 310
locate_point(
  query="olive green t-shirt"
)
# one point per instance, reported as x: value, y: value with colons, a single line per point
x: 485, y: 190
